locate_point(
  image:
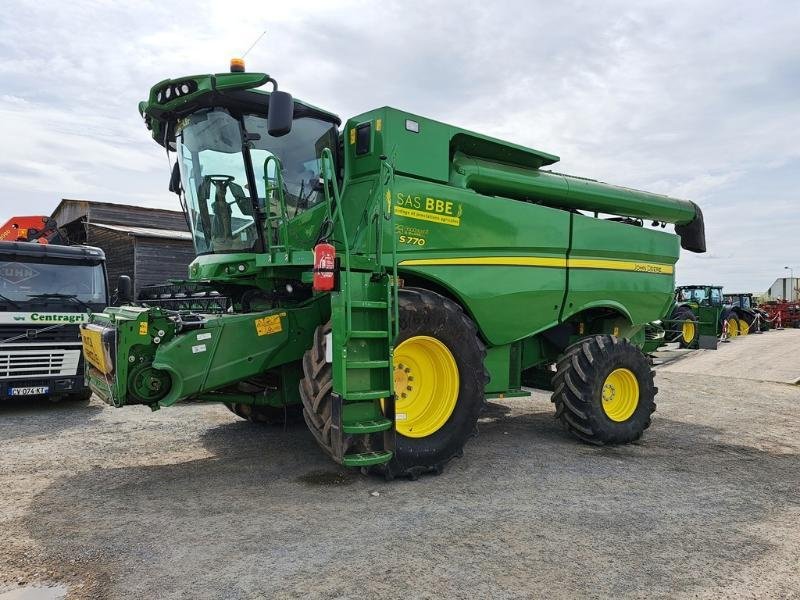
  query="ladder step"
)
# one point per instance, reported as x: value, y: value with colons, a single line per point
x: 353, y: 396
x: 366, y: 459
x: 369, y: 304
x: 369, y: 334
x: 370, y: 426
x: 367, y: 364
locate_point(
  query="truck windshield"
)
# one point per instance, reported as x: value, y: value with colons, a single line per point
x: 32, y: 282
x: 213, y: 171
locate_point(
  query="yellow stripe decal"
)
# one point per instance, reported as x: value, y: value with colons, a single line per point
x: 541, y: 261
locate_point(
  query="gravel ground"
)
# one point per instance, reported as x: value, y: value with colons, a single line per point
x: 191, y: 502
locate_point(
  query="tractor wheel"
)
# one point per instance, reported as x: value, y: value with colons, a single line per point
x: 267, y: 415
x: 733, y: 325
x: 683, y: 326
x: 439, y: 380
x: 744, y: 326
x: 604, y: 392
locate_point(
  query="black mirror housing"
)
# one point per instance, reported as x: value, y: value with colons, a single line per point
x: 124, y: 290
x: 280, y: 113
x: 175, y: 180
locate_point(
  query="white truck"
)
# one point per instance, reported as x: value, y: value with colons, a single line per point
x: 46, y: 291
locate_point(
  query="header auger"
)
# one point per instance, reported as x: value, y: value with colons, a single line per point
x: 386, y: 277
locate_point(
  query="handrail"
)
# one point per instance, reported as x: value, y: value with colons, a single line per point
x: 335, y: 216
x: 387, y: 212
x: 282, y: 219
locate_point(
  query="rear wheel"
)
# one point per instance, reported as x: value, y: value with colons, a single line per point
x: 268, y: 415
x: 744, y: 326
x: 684, y: 326
x: 439, y: 379
x: 604, y: 391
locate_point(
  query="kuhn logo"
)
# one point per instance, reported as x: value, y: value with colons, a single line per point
x: 15, y: 273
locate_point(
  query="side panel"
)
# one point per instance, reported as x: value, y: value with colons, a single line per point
x: 505, y: 260
x: 630, y: 265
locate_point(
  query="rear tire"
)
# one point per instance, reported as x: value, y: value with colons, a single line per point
x: 594, y: 394
x: 436, y: 322
x: 266, y: 415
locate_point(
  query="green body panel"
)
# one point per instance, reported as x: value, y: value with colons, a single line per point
x: 413, y: 202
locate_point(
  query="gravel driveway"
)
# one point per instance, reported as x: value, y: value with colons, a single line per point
x: 191, y: 502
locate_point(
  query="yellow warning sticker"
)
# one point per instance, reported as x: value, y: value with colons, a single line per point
x: 143, y: 328
x: 353, y: 136
x: 269, y: 325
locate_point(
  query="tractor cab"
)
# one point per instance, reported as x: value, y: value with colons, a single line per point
x: 699, y: 295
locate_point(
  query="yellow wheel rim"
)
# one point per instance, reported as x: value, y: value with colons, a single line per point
x: 733, y: 328
x: 688, y: 331
x: 425, y: 386
x: 744, y: 328
x: 620, y: 395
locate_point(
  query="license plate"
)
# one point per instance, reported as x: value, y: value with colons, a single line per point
x: 38, y: 390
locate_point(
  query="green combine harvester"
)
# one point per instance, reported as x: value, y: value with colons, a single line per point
x: 388, y: 276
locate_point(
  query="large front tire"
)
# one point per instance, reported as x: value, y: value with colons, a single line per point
x: 439, y: 386
x: 604, y: 392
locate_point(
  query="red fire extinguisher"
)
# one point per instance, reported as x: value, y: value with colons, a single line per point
x: 324, y: 267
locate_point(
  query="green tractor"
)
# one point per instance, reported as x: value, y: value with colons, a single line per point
x: 751, y: 318
x: 700, y: 310
x: 388, y: 275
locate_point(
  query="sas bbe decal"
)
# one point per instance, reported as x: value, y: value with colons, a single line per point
x: 426, y: 208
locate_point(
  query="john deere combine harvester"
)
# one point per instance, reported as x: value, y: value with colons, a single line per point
x: 388, y: 276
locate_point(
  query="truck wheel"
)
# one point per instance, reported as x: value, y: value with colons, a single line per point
x: 268, y: 415
x: 82, y: 396
x: 604, y: 392
x: 439, y: 382
x: 683, y: 326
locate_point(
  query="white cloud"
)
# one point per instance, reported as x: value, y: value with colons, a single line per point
x: 697, y: 100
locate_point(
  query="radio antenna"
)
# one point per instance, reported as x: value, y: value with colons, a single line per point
x: 258, y: 39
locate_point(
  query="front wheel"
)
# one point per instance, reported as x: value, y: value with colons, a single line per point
x: 733, y: 325
x: 604, y: 390
x: 683, y: 324
x: 439, y: 381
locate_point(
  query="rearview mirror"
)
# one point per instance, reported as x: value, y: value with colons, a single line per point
x: 175, y: 180
x: 280, y: 113
x: 124, y: 290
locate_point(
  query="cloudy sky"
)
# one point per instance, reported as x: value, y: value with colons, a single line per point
x: 699, y: 100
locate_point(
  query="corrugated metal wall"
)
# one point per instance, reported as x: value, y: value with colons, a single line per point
x: 158, y: 260
x: 119, y: 249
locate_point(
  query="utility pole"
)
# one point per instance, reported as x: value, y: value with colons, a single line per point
x: 792, y: 295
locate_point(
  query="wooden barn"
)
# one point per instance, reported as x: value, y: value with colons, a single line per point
x: 148, y: 244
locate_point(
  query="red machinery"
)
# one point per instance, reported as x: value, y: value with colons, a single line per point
x: 782, y: 312
x: 30, y: 229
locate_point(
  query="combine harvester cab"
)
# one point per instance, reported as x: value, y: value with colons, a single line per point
x: 386, y: 277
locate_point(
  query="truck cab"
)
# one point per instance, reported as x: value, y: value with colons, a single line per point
x: 46, y: 292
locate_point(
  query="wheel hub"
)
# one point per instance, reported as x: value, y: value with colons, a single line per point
x: 620, y: 395
x: 426, y: 384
